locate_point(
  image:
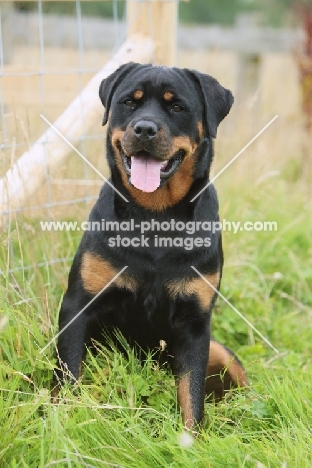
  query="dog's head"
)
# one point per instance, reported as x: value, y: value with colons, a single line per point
x: 159, y: 118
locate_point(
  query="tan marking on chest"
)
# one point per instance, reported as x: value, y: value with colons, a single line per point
x: 196, y: 286
x: 96, y: 273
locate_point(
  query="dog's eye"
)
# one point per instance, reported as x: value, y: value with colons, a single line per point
x: 176, y: 108
x: 128, y: 103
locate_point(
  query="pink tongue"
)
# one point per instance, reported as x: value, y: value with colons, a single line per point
x: 145, y: 173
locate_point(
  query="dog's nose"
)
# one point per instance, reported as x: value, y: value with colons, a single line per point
x: 145, y: 130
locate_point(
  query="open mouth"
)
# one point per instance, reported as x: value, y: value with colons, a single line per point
x: 146, y: 172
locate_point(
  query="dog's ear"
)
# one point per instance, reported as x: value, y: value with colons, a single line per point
x: 109, y: 85
x: 218, y: 100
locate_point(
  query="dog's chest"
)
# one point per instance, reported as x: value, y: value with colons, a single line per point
x: 144, y: 317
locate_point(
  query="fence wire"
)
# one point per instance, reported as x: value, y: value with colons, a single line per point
x: 11, y: 146
x: 46, y: 61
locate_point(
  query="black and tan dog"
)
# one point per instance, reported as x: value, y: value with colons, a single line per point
x: 162, y: 122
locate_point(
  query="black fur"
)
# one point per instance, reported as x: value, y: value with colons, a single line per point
x: 148, y: 314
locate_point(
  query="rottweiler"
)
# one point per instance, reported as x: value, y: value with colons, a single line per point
x: 133, y: 268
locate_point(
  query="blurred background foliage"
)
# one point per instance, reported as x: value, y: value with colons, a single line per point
x: 274, y: 12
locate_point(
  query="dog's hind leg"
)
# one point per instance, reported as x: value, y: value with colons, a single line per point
x: 224, y: 371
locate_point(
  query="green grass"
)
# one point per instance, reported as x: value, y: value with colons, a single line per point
x: 125, y: 415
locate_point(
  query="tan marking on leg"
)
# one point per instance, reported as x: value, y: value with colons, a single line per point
x: 55, y: 395
x: 196, y: 286
x: 97, y: 272
x: 223, y: 371
x: 185, y: 401
x: 138, y: 94
x: 80, y: 370
x: 237, y: 373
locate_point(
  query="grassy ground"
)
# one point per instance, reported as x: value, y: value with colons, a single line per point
x: 126, y: 415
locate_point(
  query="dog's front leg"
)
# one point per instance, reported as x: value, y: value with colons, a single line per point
x: 71, y: 346
x: 190, y: 358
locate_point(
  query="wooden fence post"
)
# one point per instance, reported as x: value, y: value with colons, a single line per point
x: 157, y: 19
x: 249, y: 62
x: 7, y: 31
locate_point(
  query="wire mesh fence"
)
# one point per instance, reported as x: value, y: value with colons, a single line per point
x: 45, y: 63
x: 36, y: 79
